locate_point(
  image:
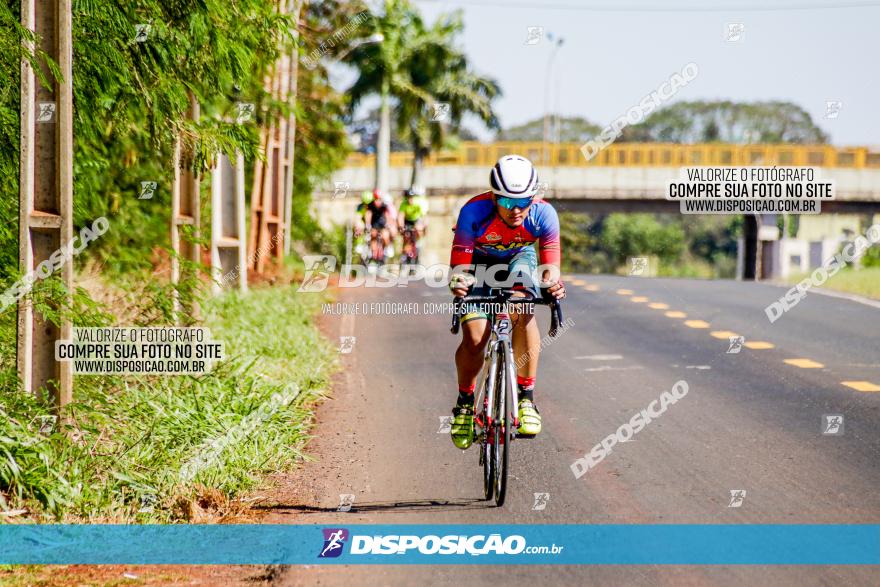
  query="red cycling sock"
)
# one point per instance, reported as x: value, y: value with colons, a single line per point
x: 526, y: 387
x: 525, y: 382
x: 466, y: 395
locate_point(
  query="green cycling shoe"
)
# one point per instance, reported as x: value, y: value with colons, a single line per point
x: 462, y: 429
x: 529, y: 418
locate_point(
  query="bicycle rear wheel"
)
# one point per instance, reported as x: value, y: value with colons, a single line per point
x: 488, y: 469
x: 486, y: 456
x: 501, y: 444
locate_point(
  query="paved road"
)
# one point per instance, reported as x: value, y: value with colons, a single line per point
x: 750, y: 421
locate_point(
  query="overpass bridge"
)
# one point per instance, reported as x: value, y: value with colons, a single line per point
x: 625, y: 177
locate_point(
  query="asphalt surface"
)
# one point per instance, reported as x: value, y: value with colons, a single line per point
x: 750, y: 421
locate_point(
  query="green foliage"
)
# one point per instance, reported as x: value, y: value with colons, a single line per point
x: 727, y: 122
x: 693, y: 122
x: 580, y: 241
x: 321, y: 146
x: 126, y: 439
x: 132, y: 98
x: 871, y: 257
x: 573, y: 129
x: 711, y: 238
x: 690, y: 246
x: 864, y: 281
x: 11, y: 52
x: 128, y: 436
x: 443, y: 74
x: 641, y: 235
x: 419, y: 65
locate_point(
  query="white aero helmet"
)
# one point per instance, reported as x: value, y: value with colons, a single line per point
x: 514, y: 177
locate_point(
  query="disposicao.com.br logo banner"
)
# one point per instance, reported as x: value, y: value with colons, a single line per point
x: 430, y: 544
x: 478, y: 544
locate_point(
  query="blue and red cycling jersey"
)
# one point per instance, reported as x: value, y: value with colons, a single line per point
x: 480, y: 230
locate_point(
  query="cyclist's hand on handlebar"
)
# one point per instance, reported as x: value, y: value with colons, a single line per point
x: 555, y: 288
x: 460, y: 283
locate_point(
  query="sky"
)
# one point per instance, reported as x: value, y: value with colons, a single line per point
x: 611, y: 59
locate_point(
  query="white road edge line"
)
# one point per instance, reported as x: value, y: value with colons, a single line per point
x: 847, y: 296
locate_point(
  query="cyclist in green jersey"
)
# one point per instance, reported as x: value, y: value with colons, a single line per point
x: 412, y: 221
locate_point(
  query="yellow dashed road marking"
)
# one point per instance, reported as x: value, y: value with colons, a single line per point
x: 862, y: 385
x: 578, y: 282
x: 625, y: 292
x: 676, y: 314
x: 759, y: 345
x: 723, y: 333
x: 591, y: 287
x: 696, y: 324
x: 658, y: 306
x: 639, y: 299
x: 804, y: 363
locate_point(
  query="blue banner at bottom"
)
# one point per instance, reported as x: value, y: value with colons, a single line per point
x: 672, y: 544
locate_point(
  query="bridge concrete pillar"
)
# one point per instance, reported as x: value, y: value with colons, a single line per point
x: 758, y: 249
x: 749, y: 248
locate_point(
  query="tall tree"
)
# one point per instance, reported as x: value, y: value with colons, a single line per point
x: 728, y: 122
x: 572, y: 129
x: 445, y: 76
x: 381, y: 70
x: 417, y: 66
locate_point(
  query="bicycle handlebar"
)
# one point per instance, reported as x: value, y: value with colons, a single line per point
x: 505, y: 296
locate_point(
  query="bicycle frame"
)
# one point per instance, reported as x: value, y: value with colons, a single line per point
x: 499, y: 345
x: 496, y: 404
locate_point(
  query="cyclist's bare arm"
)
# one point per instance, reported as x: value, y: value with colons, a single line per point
x: 391, y: 220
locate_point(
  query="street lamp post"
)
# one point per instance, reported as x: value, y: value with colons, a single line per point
x: 558, y: 43
x: 376, y: 38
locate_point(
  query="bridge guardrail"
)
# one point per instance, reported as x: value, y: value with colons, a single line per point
x: 643, y: 155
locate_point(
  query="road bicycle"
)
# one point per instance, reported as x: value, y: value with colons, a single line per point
x: 377, y: 251
x: 496, y: 402
x: 410, y: 253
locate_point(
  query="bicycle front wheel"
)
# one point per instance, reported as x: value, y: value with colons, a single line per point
x: 502, y: 428
x: 487, y: 459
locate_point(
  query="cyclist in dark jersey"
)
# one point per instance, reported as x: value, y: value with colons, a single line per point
x: 379, y: 218
x: 503, y: 227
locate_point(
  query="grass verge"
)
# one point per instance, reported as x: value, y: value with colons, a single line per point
x: 163, y: 449
x: 863, y: 282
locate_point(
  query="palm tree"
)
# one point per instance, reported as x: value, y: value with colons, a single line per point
x: 417, y: 66
x: 381, y: 70
x: 444, y: 75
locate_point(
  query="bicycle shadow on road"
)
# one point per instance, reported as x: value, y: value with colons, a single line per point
x: 420, y: 505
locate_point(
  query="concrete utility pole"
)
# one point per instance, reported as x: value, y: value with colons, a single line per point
x: 185, y: 210
x: 45, y: 192
x: 267, y: 207
x: 296, y: 6
x: 228, y: 248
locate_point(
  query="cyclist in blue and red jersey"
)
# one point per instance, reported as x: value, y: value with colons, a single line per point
x: 502, y: 227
